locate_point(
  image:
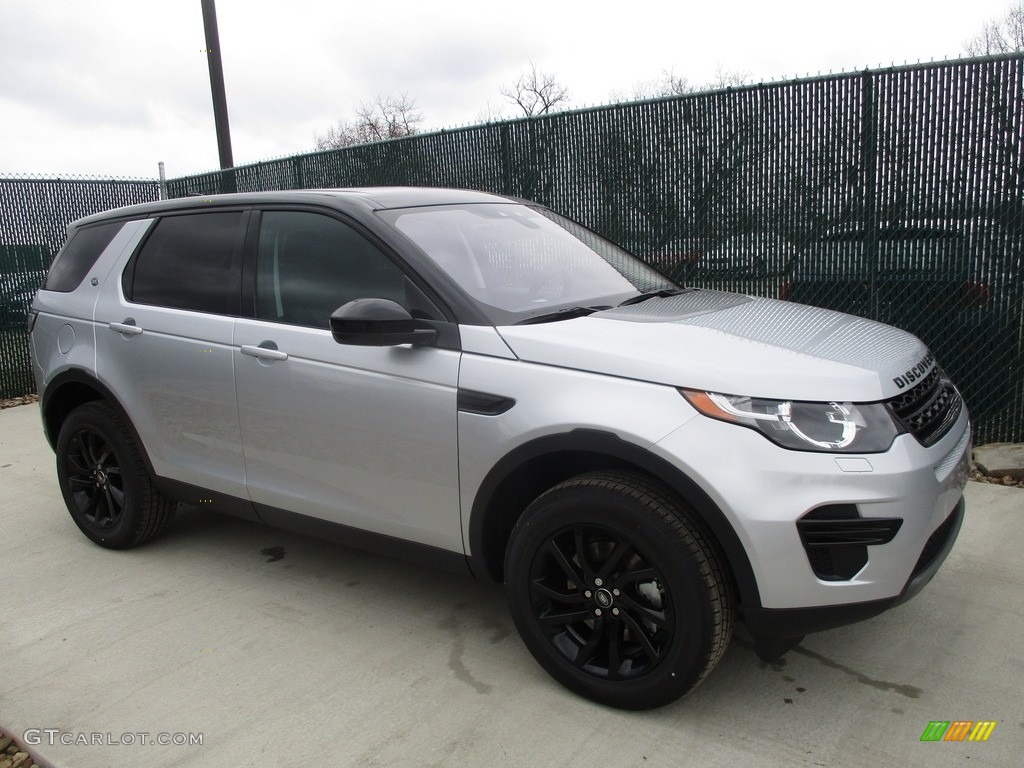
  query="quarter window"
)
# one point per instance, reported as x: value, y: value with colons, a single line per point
x: 191, y: 262
x: 79, y: 255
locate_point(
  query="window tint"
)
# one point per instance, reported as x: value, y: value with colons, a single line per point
x: 191, y: 262
x: 78, y: 256
x: 309, y: 265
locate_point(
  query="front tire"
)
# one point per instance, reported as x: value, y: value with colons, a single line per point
x: 104, y: 481
x: 617, y: 592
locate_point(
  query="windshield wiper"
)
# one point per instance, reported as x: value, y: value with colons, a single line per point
x: 562, y: 314
x: 663, y: 293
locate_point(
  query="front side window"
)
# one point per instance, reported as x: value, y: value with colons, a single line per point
x: 310, y: 264
x: 190, y: 262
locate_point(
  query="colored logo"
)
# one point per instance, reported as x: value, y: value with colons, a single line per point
x: 958, y: 730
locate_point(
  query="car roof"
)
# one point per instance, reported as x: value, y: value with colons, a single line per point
x: 362, y: 199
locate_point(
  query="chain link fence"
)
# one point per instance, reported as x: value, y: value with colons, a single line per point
x: 34, y: 214
x: 22, y: 269
x: 895, y: 194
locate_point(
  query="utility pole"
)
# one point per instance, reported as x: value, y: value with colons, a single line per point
x: 220, y: 102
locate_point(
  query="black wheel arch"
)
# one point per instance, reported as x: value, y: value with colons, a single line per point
x: 530, y: 469
x: 72, y: 388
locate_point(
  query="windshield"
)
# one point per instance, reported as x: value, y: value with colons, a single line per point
x: 525, y: 260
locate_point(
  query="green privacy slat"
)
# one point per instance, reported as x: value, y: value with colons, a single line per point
x: 754, y: 188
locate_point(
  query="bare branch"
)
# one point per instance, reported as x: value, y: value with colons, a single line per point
x: 1014, y: 23
x: 536, y: 92
x: 491, y: 114
x: 1003, y: 35
x: 382, y: 118
x: 669, y: 84
x: 727, y: 78
x: 988, y: 40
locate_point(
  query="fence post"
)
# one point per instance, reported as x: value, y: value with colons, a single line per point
x: 869, y: 179
x: 506, y: 160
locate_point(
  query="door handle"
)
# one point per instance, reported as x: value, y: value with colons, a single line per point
x: 126, y: 328
x: 264, y: 352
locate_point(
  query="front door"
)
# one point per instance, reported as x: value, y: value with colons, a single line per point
x: 360, y: 436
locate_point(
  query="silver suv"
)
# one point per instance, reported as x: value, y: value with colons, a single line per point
x: 478, y: 382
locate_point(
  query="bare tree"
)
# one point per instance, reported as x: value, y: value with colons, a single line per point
x: 536, y: 92
x: 384, y: 117
x: 491, y: 114
x: 668, y: 84
x: 671, y: 84
x: 725, y: 78
x: 1003, y: 35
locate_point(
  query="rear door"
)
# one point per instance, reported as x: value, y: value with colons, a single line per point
x: 164, y: 346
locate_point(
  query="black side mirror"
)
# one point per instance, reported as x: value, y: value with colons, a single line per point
x: 377, y: 323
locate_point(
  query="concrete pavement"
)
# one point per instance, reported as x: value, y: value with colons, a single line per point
x: 277, y: 650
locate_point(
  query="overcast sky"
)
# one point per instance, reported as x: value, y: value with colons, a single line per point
x: 111, y: 87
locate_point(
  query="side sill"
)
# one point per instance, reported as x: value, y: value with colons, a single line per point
x: 421, y: 554
x: 222, y: 503
x: 201, y: 498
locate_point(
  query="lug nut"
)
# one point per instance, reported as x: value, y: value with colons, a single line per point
x: 598, y: 582
x: 597, y: 611
x: 588, y: 593
x: 616, y: 592
x: 615, y: 611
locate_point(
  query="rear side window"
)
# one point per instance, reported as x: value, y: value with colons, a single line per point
x: 79, y: 255
x: 190, y: 262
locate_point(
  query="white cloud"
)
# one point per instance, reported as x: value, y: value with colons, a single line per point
x: 110, y: 87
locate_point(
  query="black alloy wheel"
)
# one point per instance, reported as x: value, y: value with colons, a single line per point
x: 104, y: 481
x: 602, y: 602
x: 618, y: 591
x: 94, y: 479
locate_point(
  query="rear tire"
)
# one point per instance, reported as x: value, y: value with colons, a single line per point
x: 616, y: 590
x: 104, y: 481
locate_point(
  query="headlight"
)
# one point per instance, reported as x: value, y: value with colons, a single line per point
x: 824, y: 427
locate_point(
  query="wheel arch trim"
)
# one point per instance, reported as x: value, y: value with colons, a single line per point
x: 490, y: 522
x: 53, y: 410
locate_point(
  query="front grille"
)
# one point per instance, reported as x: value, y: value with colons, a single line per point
x: 929, y: 410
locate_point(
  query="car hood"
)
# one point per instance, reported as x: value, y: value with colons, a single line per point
x: 734, y: 344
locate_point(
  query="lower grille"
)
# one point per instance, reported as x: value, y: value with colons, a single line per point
x: 836, y: 539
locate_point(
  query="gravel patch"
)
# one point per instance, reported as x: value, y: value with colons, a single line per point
x: 978, y: 476
x: 16, y: 401
x: 13, y: 756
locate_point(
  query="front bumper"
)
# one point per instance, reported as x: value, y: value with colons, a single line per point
x: 764, y: 491
x: 783, y: 623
